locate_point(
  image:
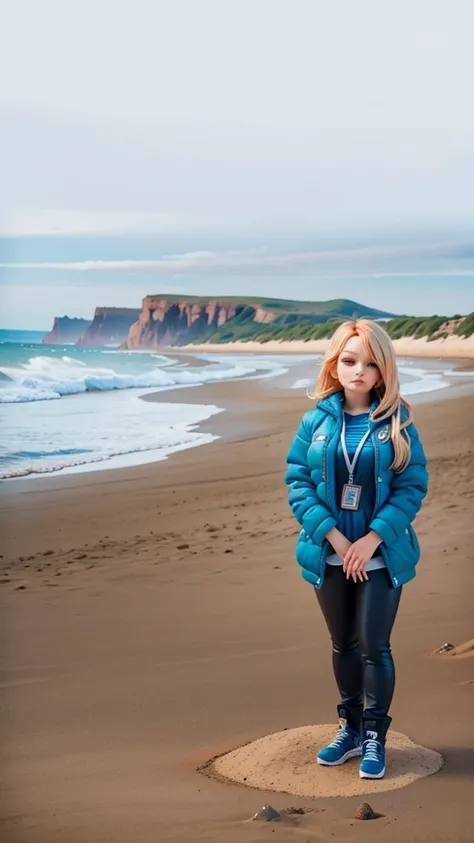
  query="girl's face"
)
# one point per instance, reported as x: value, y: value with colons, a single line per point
x: 356, y: 373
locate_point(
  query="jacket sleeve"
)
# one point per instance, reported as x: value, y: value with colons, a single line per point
x: 308, y: 508
x: 407, y: 491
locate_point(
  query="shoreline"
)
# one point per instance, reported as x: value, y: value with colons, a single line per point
x: 156, y: 618
x: 238, y: 417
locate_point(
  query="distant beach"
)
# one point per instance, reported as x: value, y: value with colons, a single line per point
x: 450, y: 347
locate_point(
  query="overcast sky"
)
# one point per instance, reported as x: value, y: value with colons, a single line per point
x: 301, y: 149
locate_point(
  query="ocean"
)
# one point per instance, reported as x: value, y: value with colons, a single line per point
x: 70, y: 409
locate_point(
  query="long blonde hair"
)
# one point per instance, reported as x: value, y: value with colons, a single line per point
x: 379, y: 347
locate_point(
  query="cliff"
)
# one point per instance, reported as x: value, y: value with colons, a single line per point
x: 110, y: 326
x: 66, y: 330
x: 167, y: 320
x: 164, y: 323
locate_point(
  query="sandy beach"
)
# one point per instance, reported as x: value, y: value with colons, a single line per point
x: 155, y: 617
x: 452, y: 346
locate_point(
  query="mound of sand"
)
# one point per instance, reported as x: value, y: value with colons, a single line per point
x: 285, y: 762
x: 463, y: 650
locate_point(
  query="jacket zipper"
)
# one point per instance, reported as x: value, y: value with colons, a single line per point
x: 325, y: 449
x: 377, y: 498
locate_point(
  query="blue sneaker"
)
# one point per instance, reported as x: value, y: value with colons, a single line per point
x: 373, y: 748
x: 347, y: 744
x: 373, y: 760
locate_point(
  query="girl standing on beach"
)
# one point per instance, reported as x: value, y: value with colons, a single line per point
x: 357, y: 477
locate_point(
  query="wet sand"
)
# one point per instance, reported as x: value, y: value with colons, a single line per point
x: 154, y: 617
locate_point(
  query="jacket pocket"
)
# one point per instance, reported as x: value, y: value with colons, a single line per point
x: 308, y: 555
x: 405, y: 553
x: 414, y: 542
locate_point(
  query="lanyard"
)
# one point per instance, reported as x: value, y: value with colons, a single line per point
x: 351, y: 465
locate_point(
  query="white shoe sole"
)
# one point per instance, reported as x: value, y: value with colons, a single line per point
x: 363, y: 775
x: 351, y: 754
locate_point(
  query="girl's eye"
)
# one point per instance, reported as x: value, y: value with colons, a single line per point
x: 348, y: 361
x: 373, y: 364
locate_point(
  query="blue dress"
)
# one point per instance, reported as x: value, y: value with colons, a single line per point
x: 354, y: 524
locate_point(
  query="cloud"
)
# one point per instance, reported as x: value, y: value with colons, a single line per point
x: 48, y: 222
x: 451, y: 260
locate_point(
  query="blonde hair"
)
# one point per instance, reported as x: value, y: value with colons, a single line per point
x: 379, y: 347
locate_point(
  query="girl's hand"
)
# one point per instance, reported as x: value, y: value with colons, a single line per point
x: 359, y: 553
x: 338, y: 542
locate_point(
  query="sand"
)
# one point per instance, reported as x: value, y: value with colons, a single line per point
x: 283, y: 762
x: 155, y: 618
x: 452, y: 346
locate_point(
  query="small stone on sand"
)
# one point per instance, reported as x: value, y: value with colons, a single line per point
x: 445, y: 648
x: 364, y: 812
x: 266, y: 814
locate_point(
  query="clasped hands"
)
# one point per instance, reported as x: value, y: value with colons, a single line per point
x: 355, y: 556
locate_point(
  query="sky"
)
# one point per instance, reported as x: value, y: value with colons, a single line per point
x: 299, y: 149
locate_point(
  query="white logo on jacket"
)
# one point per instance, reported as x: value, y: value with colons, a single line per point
x: 384, y: 434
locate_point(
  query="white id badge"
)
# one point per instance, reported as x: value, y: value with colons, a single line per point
x: 350, y: 496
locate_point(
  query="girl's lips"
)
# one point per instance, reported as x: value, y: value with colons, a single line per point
x: 359, y: 380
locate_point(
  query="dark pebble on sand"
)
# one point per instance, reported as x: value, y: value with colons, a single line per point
x: 48, y: 553
x: 364, y: 812
x: 182, y: 546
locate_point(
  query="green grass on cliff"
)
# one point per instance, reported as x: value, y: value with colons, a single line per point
x: 283, y: 307
x: 466, y: 328
x: 308, y: 320
x: 417, y: 327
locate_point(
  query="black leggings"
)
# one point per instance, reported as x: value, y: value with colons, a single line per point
x: 360, y: 617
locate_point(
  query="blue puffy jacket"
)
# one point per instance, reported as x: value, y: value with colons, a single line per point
x: 311, y: 478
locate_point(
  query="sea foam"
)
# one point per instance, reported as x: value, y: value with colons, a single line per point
x: 46, y: 379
